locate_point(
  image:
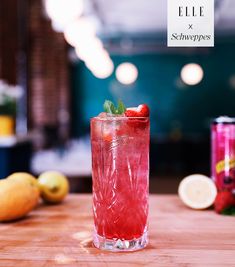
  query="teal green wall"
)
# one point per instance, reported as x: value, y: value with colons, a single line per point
x: 174, y: 107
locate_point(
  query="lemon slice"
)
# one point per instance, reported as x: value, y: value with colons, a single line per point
x: 197, y: 191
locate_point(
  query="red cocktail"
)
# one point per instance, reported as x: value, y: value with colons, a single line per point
x: 120, y: 172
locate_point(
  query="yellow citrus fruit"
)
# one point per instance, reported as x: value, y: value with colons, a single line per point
x: 17, y: 198
x: 54, y: 186
x: 25, y: 177
x: 197, y: 191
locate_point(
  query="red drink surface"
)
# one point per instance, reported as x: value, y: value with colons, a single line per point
x: 120, y: 175
x: 223, y: 155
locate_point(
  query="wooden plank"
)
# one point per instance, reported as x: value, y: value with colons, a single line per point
x: 61, y: 235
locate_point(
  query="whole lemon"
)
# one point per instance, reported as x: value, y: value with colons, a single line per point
x: 25, y: 177
x: 54, y: 186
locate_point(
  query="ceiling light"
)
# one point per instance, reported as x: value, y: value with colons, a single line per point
x: 192, y: 74
x: 103, y: 70
x: 63, y: 11
x: 101, y: 65
x: 78, y: 31
x: 126, y: 73
x: 89, y: 49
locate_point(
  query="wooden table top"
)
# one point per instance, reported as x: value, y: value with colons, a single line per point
x: 61, y: 236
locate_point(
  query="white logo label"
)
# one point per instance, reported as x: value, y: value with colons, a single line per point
x: 190, y: 23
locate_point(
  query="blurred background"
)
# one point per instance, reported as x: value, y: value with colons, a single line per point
x: 59, y: 61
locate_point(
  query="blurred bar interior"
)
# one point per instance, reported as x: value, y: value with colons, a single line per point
x: 59, y: 61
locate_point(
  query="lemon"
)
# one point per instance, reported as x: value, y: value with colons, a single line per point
x: 197, y: 191
x: 54, y: 186
x: 24, y: 177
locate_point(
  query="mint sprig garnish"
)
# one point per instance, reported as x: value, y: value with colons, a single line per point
x: 110, y: 108
x: 121, y: 107
x: 229, y: 211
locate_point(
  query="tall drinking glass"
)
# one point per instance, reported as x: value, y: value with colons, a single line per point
x: 120, y: 176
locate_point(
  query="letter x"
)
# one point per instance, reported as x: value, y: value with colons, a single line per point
x: 190, y: 26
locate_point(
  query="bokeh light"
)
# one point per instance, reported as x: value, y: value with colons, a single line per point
x: 103, y: 69
x: 126, y: 73
x: 78, y: 31
x: 89, y: 49
x: 96, y: 58
x: 192, y: 74
x: 61, y: 12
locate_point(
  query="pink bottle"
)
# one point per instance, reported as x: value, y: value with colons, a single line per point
x: 223, y: 153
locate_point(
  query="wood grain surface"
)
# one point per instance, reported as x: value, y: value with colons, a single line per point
x: 61, y: 236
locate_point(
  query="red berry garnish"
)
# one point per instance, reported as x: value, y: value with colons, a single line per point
x: 224, y: 199
x: 136, y: 116
x: 141, y: 111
